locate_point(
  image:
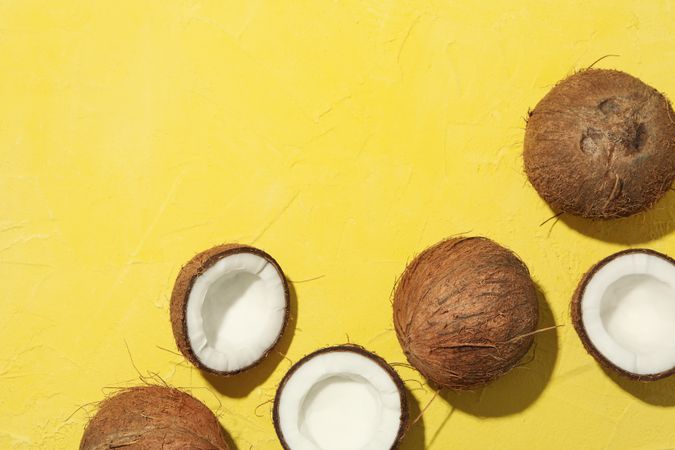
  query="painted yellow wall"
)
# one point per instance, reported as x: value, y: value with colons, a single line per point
x: 342, y: 137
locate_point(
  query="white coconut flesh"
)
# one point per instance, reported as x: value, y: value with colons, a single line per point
x: 628, y: 312
x: 339, y: 400
x: 235, y: 311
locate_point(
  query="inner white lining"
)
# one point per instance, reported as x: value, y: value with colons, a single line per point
x: 628, y: 312
x: 235, y: 311
x: 340, y: 400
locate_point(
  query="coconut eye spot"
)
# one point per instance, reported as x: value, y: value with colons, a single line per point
x: 638, y: 312
x: 640, y: 137
x: 609, y: 106
x: 590, y: 142
x: 336, y: 404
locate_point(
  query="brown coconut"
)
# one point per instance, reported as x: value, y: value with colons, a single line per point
x: 153, y: 417
x: 577, y: 316
x: 601, y: 145
x: 465, y: 311
x: 181, y: 291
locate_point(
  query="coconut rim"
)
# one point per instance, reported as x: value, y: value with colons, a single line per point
x: 581, y: 330
x: 220, y: 252
x: 353, y: 348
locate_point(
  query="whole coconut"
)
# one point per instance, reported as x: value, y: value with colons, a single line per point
x: 601, y: 144
x: 153, y: 417
x: 465, y: 311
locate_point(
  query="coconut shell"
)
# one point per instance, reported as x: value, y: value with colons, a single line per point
x: 153, y: 417
x: 577, y: 318
x: 181, y: 292
x: 601, y: 145
x: 405, y: 416
x: 465, y: 311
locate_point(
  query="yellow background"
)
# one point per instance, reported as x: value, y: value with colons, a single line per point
x: 341, y: 136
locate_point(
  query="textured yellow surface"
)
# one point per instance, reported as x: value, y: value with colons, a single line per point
x: 342, y: 137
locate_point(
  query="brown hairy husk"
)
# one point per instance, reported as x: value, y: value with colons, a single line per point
x: 181, y: 291
x: 575, y: 312
x: 601, y: 145
x: 152, y: 417
x: 465, y: 311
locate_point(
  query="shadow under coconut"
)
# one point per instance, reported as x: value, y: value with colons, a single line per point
x: 414, y: 438
x: 240, y: 385
x: 520, y: 387
x: 658, y: 393
x: 655, y: 223
x: 228, y: 439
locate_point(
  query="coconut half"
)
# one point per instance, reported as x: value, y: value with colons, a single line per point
x: 229, y: 307
x: 152, y: 417
x: 600, y: 145
x: 624, y: 313
x: 340, y: 398
x: 465, y: 311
